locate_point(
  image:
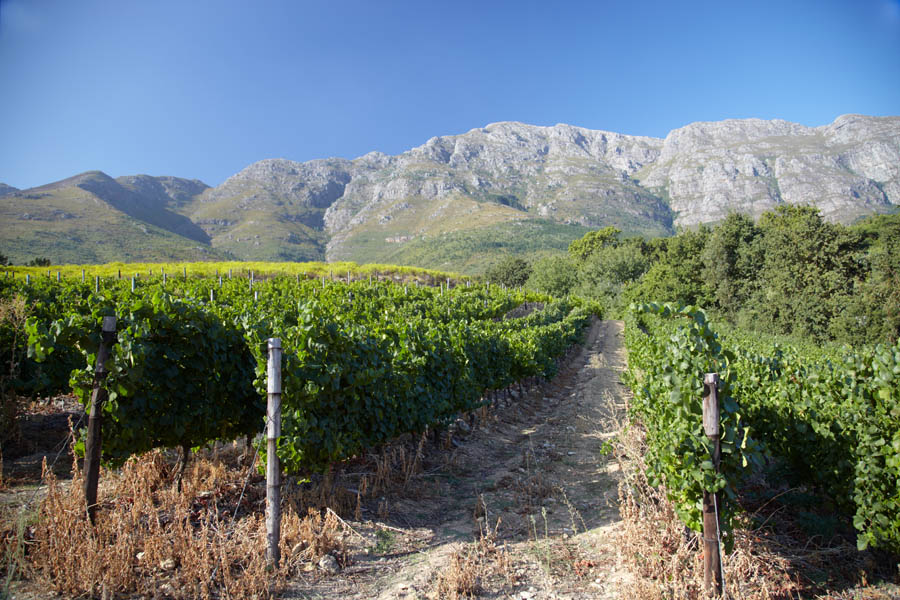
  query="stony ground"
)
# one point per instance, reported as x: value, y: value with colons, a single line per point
x: 524, y: 506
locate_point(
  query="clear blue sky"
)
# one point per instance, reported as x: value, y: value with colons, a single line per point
x: 201, y: 89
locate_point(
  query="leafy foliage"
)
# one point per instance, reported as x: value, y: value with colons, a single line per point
x: 363, y: 362
x: 554, y: 275
x: 833, y: 421
x: 666, y: 370
x: 511, y: 271
x: 592, y: 242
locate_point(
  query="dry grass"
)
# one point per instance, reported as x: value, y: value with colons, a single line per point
x: 13, y: 313
x: 304, y: 541
x: 472, y: 563
x: 772, y: 561
x: 460, y: 579
x: 149, y: 539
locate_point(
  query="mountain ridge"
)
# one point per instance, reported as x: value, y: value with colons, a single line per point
x: 379, y: 207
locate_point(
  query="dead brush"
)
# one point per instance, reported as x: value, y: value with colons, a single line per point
x: 13, y: 539
x: 397, y: 465
x: 666, y: 557
x: 460, y: 578
x: 323, y: 493
x: 308, y: 539
x: 13, y: 314
x: 149, y: 540
x: 499, y: 560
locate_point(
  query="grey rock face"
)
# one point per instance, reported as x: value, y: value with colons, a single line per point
x: 846, y: 169
x: 510, y: 171
x: 317, y: 183
x: 172, y: 192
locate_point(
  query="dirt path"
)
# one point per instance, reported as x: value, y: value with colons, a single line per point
x: 524, y: 507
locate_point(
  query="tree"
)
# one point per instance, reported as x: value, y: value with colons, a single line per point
x: 678, y: 275
x: 731, y: 260
x: 511, y: 271
x: 554, y: 275
x: 4, y: 260
x: 39, y: 262
x: 808, y: 273
x: 593, y: 241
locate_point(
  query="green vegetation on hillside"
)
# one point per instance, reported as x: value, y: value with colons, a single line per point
x: 830, y: 425
x: 363, y: 362
x: 475, y: 250
x: 792, y: 273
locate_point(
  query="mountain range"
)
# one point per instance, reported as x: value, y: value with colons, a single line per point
x: 458, y: 202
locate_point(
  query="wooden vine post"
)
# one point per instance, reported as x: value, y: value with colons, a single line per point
x: 99, y: 395
x: 712, y: 561
x: 273, y: 468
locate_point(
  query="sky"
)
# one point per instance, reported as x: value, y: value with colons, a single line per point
x: 201, y: 89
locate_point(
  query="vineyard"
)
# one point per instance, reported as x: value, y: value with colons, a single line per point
x: 364, y: 361
x: 826, y: 422
x: 369, y: 359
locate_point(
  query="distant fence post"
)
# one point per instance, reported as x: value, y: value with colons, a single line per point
x: 94, y: 440
x: 712, y: 561
x: 273, y: 469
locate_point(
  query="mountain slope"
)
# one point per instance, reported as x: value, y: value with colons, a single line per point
x: 847, y: 169
x: 460, y: 201
x: 93, y: 218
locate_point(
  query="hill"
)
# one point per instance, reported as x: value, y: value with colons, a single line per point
x: 459, y: 202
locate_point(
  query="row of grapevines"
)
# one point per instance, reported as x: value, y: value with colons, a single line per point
x: 670, y: 349
x: 834, y: 422
x: 363, y: 362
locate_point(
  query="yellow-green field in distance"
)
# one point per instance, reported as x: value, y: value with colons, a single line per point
x: 237, y: 268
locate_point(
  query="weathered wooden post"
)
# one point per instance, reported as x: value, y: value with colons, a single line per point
x: 712, y: 561
x: 96, y: 284
x: 82, y: 276
x: 273, y: 469
x: 27, y: 278
x: 132, y: 283
x: 94, y: 440
x: 184, y: 272
x: 211, y: 297
x: 57, y: 277
x: 348, y: 275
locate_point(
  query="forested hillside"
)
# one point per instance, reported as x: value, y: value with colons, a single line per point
x: 790, y: 273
